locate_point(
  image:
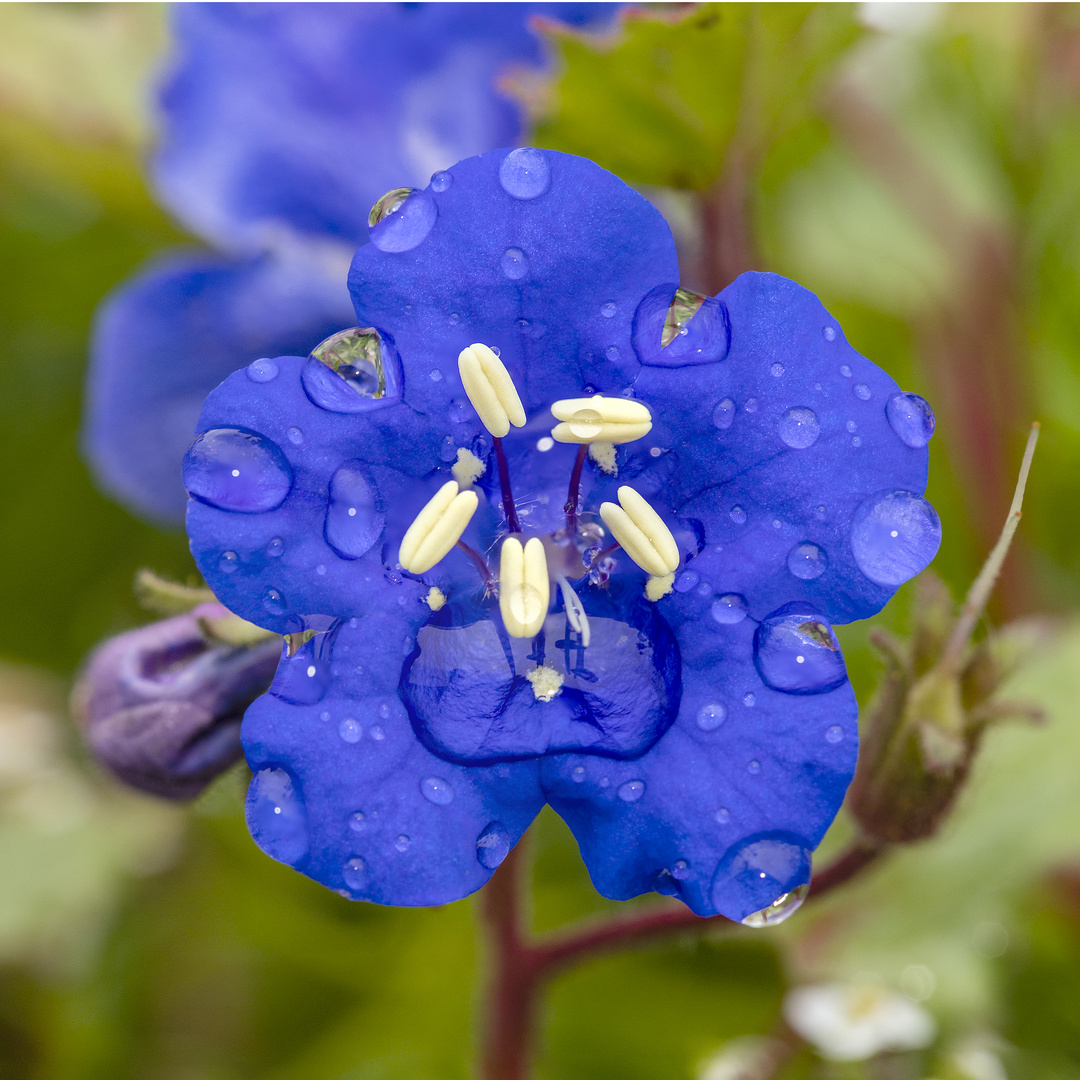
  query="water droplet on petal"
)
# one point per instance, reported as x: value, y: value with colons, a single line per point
x: 861, y: 391
x: 377, y: 733
x: 675, y: 327
x: 354, y: 517
x: 723, y: 815
x: 358, y: 821
x: 351, y: 371
x: 796, y: 652
x: 353, y: 873
x: 828, y: 333
x: 724, y: 414
x: 756, y: 877
x: 807, y: 561
x: 402, y: 843
x: 525, y: 173
x: 894, y: 535
x: 799, y: 428
x: 275, y: 548
x: 834, y: 734
x: 461, y: 412
x: 680, y: 870
x: 350, y: 730
x: 751, y: 405
x: 738, y: 515
x: 710, y: 717
x: 437, y: 791
x: 229, y: 562
x: 776, y: 370
x: 687, y: 580
x: 238, y: 470
x: 274, y: 602
x: 612, y: 352
x: 749, y: 700
x: 295, y: 436
x: 729, y: 609
x: 262, y: 371
x: 577, y: 774
x: 441, y: 181
x: 514, y: 263
x: 631, y: 791
x: 276, y: 816
x: 401, y: 219
x: 448, y: 449
x: 753, y: 768
x: 911, y: 418
x: 608, y: 310
x: 492, y: 845
x: 845, y: 371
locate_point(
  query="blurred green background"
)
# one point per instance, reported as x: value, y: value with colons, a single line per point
x: 918, y: 166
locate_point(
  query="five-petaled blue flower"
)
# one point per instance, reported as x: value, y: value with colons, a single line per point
x: 698, y: 744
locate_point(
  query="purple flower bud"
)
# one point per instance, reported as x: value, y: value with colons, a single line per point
x: 161, y: 706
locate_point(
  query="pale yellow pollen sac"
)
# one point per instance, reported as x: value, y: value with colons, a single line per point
x: 437, y: 528
x: 546, y: 682
x: 641, y: 533
x: 490, y: 389
x: 600, y: 419
x: 524, y: 590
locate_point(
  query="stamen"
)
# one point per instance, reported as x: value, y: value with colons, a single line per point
x: 575, y: 610
x: 642, y: 533
x: 600, y: 419
x: 437, y: 528
x: 524, y: 591
x: 490, y: 389
x: 570, y: 509
x: 509, y: 507
x: 481, y: 564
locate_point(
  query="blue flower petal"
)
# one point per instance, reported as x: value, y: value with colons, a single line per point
x: 345, y: 793
x: 786, y: 456
x: 746, y: 775
x: 166, y: 338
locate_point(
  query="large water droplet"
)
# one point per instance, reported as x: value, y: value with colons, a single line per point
x: 354, y: 517
x: 514, y: 263
x: 492, y: 845
x: 796, y: 652
x: 525, y: 173
x: 235, y: 469
x: 676, y: 327
x: 351, y: 371
x: 437, y: 791
x: 350, y: 730
x: 807, y: 561
x: 724, y: 414
x: 710, y: 717
x: 799, y: 428
x: 894, y: 535
x: 262, y: 371
x: 276, y: 816
x: 781, y: 908
x: 401, y: 219
x: 441, y: 181
x: 353, y: 873
x: 729, y: 609
x: 631, y: 791
x: 911, y: 418
x: 758, y: 873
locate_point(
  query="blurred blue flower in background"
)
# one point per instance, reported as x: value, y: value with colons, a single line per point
x: 281, y: 124
x: 697, y: 737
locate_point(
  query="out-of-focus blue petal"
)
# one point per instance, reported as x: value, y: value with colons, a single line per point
x: 299, y: 116
x: 165, y: 339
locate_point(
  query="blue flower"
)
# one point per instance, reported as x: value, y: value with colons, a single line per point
x: 698, y: 744
x: 281, y: 125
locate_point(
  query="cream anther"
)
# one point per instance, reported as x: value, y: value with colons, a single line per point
x: 641, y: 533
x: 600, y: 419
x: 575, y: 611
x: 490, y: 389
x: 437, y: 528
x: 524, y: 591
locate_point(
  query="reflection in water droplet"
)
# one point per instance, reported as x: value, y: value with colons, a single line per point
x: 402, y: 843
x: 738, y: 515
x: 275, y: 548
x: 238, y: 470
x: 262, y: 371
x: 631, y: 791
x: 274, y: 602
x: 807, y: 561
x: 514, y: 263
x: 861, y: 391
x: 781, y: 908
x: 358, y: 821
x: 834, y: 734
x: 350, y: 370
x: 276, y: 816
x: 776, y: 370
x: 911, y: 418
x: 710, y: 717
x: 828, y: 333
x: 796, y: 652
x: 492, y: 845
x: 350, y: 730
x: 353, y: 873
x: 441, y: 181
x: 229, y: 562
x: 799, y: 428
x: 756, y: 875
x: 729, y: 609
x: 525, y: 173
x: 401, y: 219
x: 437, y: 791
x: 608, y: 310
x: 354, y: 518
x: 676, y: 327
x: 894, y: 535
x: 724, y: 414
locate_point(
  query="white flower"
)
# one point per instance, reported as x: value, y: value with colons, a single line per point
x: 852, y: 1023
x: 741, y: 1059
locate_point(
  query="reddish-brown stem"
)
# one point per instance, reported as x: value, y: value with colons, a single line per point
x: 481, y: 564
x: 509, y: 509
x: 602, y: 554
x: 727, y: 245
x: 574, y: 491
